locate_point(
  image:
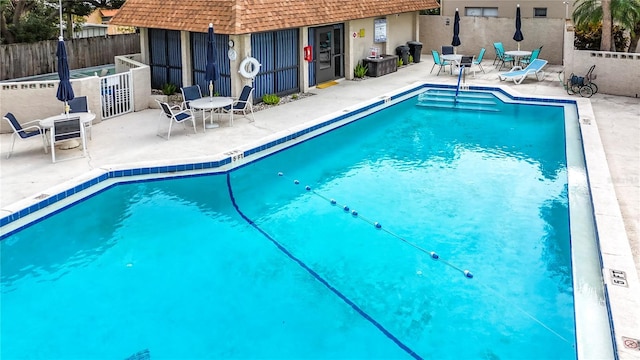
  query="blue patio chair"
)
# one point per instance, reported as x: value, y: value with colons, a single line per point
x: 497, y: 46
x: 438, y: 61
x: 502, y: 57
x: 79, y: 104
x: 65, y: 129
x: 175, y: 114
x: 447, y: 49
x: 243, y: 104
x: 30, y: 131
x: 190, y: 93
x: 478, y: 60
x: 534, y: 55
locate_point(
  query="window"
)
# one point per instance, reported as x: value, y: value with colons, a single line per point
x: 539, y: 12
x: 481, y: 11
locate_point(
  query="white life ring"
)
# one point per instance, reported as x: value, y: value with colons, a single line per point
x: 249, y: 67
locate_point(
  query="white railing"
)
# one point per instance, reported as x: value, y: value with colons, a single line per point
x: 117, y: 94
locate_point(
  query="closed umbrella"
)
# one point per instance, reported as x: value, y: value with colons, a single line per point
x: 65, y: 91
x: 518, y: 35
x: 456, y: 31
x: 211, y: 74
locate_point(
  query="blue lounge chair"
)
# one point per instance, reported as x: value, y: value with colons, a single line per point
x: 518, y: 74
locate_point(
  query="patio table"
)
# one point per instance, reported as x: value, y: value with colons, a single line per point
x: 210, y: 104
x: 517, y: 54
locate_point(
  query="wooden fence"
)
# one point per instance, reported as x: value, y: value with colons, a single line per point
x: 21, y: 60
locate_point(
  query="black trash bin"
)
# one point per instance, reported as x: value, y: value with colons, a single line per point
x: 415, y: 49
x: 403, y: 53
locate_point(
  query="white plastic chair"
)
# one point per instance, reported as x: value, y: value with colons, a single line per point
x: 64, y: 130
x: 29, y: 131
x: 174, y: 114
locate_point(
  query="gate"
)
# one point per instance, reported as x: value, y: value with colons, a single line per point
x: 117, y: 94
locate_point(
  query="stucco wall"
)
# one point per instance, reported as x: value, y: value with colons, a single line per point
x: 400, y: 29
x: 507, y: 8
x: 37, y: 99
x: 616, y: 73
x: 478, y: 32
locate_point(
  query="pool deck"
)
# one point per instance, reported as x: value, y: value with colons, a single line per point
x: 131, y: 140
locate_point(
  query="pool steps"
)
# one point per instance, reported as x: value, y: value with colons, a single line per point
x: 464, y: 100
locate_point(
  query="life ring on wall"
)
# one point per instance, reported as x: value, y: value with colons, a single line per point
x: 249, y: 67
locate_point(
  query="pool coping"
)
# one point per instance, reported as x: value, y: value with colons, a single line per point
x: 615, y: 253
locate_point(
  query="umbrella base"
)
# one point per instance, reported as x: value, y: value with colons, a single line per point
x: 68, y: 145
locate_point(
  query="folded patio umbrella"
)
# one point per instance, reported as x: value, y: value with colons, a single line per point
x: 518, y: 35
x: 456, y: 30
x: 212, y: 73
x: 65, y: 91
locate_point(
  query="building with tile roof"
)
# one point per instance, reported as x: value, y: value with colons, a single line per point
x: 337, y: 36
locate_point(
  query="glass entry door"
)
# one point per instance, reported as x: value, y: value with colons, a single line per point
x: 324, y: 51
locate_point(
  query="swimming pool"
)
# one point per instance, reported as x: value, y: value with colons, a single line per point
x: 364, y: 270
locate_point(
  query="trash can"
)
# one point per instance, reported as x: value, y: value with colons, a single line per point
x: 415, y: 49
x: 403, y: 53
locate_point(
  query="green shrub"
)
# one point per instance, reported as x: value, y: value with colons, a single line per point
x: 294, y: 96
x: 400, y: 63
x: 270, y: 99
x: 360, y: 71
x: 410, y: 59
x: 169, y: 89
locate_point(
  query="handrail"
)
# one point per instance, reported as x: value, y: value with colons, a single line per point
x: 455, y: 100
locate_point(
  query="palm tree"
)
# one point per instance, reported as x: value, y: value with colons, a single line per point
x: 625, y: 13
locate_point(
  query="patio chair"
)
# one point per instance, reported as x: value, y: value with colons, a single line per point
x: 503, y: 58
x: 534, y: 55
x: 175, y: 114
x: 243, y: 104
x: 438, y: 61
x: 518, y: 74
x: 497, y: 46
x: 28, y: 132
x: 79, y: 104
x: 478, y: 60
x: 64, y: 130
x: 447, y: 49
x: 190, y: 93
x: 465, y: 63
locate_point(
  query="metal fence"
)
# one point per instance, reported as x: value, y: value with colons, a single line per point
x: 116, y: 94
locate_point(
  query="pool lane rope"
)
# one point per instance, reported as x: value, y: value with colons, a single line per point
x: 434, y: 255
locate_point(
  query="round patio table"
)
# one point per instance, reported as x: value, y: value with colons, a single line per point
x: 210, y: 104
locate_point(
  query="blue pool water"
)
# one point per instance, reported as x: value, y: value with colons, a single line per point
x: 250, y: 264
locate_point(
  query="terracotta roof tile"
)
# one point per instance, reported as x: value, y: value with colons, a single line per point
x: 108, y: 12
x: 249, y: 16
